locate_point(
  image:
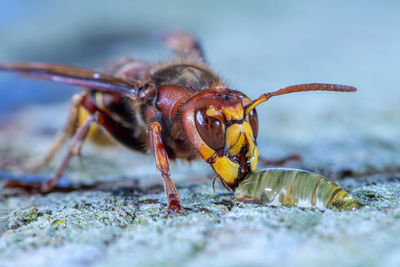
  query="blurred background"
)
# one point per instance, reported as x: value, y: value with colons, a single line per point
x: 257, y: 46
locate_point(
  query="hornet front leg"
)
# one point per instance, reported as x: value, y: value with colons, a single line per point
x: 162, y: 164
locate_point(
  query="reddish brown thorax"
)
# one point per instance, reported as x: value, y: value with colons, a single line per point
x: 170, y: 99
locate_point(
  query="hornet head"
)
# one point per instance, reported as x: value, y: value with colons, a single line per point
x: 216, y: 123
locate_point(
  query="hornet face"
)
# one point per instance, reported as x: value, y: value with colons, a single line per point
x: 218, y: 127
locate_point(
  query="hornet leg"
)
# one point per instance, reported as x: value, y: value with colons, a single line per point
x: 162, y: 164
x: 74, y: 149
x: 35, y: 165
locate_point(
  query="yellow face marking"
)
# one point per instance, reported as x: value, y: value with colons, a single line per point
x: 233, y: 113
x: 205, y: 151
x: 249, y: 136
x: 227, y: 169
x: 230, y: 113
x: 239, y: 135
x: 253, y: 160
x: 215, y: 113
x: 234, y: 138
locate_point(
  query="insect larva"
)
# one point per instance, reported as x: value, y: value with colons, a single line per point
x: 291, y: 187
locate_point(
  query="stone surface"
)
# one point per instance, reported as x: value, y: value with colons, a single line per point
x: 351, y: 138
x: 125, y: 222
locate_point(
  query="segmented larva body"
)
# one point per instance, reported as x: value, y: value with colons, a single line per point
x: 291, y: 187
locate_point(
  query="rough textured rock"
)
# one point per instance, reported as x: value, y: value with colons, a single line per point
x: 119, y: 217
x: 125, y: 222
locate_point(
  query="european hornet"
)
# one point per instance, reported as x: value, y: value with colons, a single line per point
x: 176, y: 109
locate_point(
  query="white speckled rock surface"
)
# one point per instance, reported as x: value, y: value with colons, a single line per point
x: 352, y: 138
